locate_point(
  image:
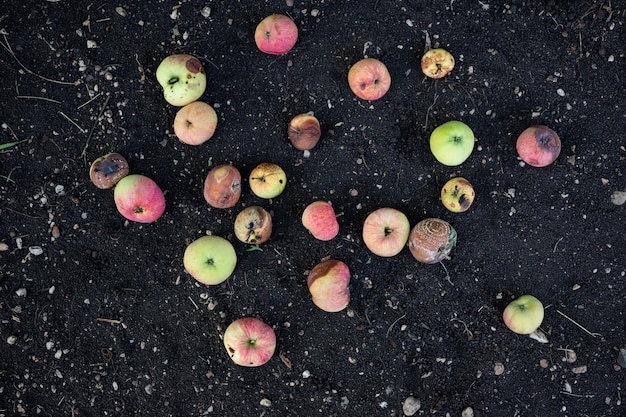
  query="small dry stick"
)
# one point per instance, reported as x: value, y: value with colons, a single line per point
x: 112, y: 321
x: 573, y: 321
x: 392, y: 324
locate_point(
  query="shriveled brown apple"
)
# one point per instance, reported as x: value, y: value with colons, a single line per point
x: 253, y: 225
x: 304, y: 131
x: 107, y: 170
x: 431, y: 240
x: 222, y: 187
x: 328, y: 284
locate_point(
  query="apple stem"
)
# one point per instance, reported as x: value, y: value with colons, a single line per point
x: 172, y: 80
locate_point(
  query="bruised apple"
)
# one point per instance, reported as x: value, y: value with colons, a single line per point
x: 267, y: 180
x: 182, y: 77
x: 249, y: 342
x: 369, y: 79
x: 457, y: 195
x: 432, y: 240
x: 437, y: 63
x: 328, y: 284
x: 107, y: 170
x: 538, y: 146
x: 195, y: 123
x: 139, y: 198
x: 304, y: 131
x: 222, y: 187
x: 320, y: 220
x: 253, y: 225
x: 276, y: 34
x: 385, y: 231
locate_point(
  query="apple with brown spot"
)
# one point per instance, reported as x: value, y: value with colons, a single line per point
x: 253, y: 225
x: 222, y: 187
x: 369, y: 79
x: 304, y: 131
x: 328, y: 284
x: 538, y: 146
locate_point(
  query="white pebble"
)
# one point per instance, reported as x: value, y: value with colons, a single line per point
x: 21, y: 292
x: 306, y: 374
x: 560, y: 92
x: 468, y: 412
x: 411, y: 405
x: 265, y: 402
x: 49, y: 345
x: 11, y: 340
x: 35, y: 250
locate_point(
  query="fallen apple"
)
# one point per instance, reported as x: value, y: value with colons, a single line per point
x: 222, y: 187
x: 139, y: 198
x: 276, y: 34
x: 304, y: 131
x: 431, y: 240
x: 253, y: 225
x: 437, y: 63
x: 538, y: 146
x: 210, y: 259
x: 183, y: 79
x: 385, y: 231
x: 107, y: 170
x: 452, y: 143
x: 195, y: 123
x: 267, y: 180
x: 369, y: 79
x: 328, y: 284
x: 249, y: 342
x: 523, y: 315
x: 457, y: 195
x: 320, y: 220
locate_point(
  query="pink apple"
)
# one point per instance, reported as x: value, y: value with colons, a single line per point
x: 320, y: 220
x: 369, y: 79
x: 386, y: 231
x: 523, y: 315
x: 195, y: 123
x: 249, y: 342
x: 276, y: 34
x: 138, y: 198
x: 328, y: 284
x: 538, y: 146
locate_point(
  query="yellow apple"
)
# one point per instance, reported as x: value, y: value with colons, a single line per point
x: 267, y: 180
x: 457, y: 195
x: 437, y: 63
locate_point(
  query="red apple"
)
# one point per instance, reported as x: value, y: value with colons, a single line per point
x: 222, y: 187
x: 369, y: 79
x: 328, y: 284
x: 319, y: 219
x: 386, y: 231
x: 138, y: 198
x: 249, y: 342
x: 432, y: 240
x: 253, y: 225
x: 538, y: 146
x: 276, y: 34
x: 195, y: 123
x: 304, y: 131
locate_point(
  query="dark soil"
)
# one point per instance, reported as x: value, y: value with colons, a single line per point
x: 106, y: 322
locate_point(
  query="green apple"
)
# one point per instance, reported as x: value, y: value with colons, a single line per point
x: 452, y: 143
x: 183, y: 79
x: 210, y: 259
x: 523, y: 315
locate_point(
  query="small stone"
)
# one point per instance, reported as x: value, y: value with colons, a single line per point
x: 543, y: 363
x: 121, y: 11
x: 580, y: 369
x: 411, y: 405
x: 21, y: 292
x: 621, y: 358
x: 35, y: 250
x: 149, y: 389
x: 570, y: 356
x: 468, y: 412
x: 56, y: 233
x: 3, y: 247
x: 618, y: 198
x: 206, y: 11
x: 560, y: 92
x: 498, y: 368
x: 11, y: 340
x: 265, y: 402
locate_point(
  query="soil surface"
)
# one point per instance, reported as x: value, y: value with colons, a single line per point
x: 99, y: 318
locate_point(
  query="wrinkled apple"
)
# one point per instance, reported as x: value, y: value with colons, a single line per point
x: 107, y: 170
x: 386, y: 231
x: 253, y: 225
x: 210, y: 259
x: 457, y: 195
x: 276, y: 34
x: 249, y: 342
x: 139, y: 198
x: 369, y: 79
x: 320, y: 220
x: 195, y: 123
x: 222, y: 187
x: 437, y: 63
x: 328, y: 284
x: 432, y: 240
x: 538, y: 146
x: 304, y: 131
x: 267, y: 180
x: 183, y: 79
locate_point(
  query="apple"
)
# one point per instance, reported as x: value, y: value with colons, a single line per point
x: 452, y: 143
x: 432, y: 240
x: 183, y: 79
x: 210, y: 259
x: 538, y: 146
x: 276, y: 34
x: 524, y: 315
x: 195, y: 123
x: 249, y: 342
x: 437, y: 63
x: 386, y: 231
x: 107, y: 170
x: 457, y: 195
x: 304, y: 131
x: 253, y: 225
x: 222, y: 187
x: 267, y: 180
x: 139, y: 198
x: 369, y: 79
x: 320, y: 220
x: 328, y: 284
